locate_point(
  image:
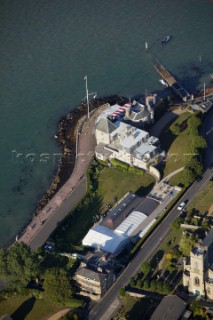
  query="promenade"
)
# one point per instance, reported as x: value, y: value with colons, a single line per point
x: 68, y: 197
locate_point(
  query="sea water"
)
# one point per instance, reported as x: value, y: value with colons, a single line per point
x: 46, y: 49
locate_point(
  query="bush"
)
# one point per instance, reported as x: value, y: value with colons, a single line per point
x: 160, y: 286
x: 122, y: 292
x: 139, y: 283
x: 153, y: 285
x: 166, y: 287
x: 136, y: 170
x: 146, y: 284
x: 118, y: 164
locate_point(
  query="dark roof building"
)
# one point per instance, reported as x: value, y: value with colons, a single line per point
x: 121, y: 211
x: 170, y: 308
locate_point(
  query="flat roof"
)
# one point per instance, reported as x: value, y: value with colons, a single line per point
x: 148, y: 206
x: 143, y: 149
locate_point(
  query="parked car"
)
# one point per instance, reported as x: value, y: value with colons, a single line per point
x: 181, y: 206
x: 49, y: 247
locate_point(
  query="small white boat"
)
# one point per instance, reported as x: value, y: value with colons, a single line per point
x: 163, y: 82
x: 166, y: 39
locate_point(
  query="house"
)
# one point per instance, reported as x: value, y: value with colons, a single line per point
x: 95, y: 275
x: 198, y: 269
x: 170, y: 308
x: 141, y: 114
x: 118, y: 140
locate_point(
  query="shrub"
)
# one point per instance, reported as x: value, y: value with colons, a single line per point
x: 146, y: 284
x: 122, y: 292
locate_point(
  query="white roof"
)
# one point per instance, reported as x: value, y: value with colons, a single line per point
x: 144, y: 231
x: 143, y: 149
x: 104, y: 238
x: 131, y: 223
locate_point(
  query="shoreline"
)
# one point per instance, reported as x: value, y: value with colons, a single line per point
x: 66, y: 137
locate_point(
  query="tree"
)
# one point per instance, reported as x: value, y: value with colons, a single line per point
x: 132, y: 282
x: 139, y: 283
x: 3, y: 263
x: 57, y: 286
x: 160, y: 286
x: 187, y: 176
x: 186, y: 245
x: 196, y: 309
x: 166, y: 287
x: 145, y: 267
x: 146, y: 284
x: 122, y: 292
x: 153, y: 285
x: 194, y: 123
x: 22, y: 265
x: 176, y: 224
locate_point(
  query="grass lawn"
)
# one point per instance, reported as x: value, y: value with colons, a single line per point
x: 28, y: 308
x: 203, y: 201
x: 112, y: 183
x: 137, y: 309
x: 178, y: 147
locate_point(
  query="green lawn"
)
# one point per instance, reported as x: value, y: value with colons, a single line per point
x: 114, y: 183
x: 28, y: 308
x: 137, y: 309
x: 203, y: 201
x: 179, y: 147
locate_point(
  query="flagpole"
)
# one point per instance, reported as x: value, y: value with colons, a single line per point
x: 87, y: 96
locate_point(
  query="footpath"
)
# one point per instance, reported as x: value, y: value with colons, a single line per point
x: 67, y: 198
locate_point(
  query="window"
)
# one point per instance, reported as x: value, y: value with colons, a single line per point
x: 197, y: 281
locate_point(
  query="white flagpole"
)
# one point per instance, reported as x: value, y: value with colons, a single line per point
x: 87, y: 96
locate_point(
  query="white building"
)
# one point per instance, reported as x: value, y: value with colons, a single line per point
x: 100, y: 237
x: 121, y: 141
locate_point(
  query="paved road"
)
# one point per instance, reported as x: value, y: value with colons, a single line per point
x: 62, y: 211
x: 105, y: 309
x: 99, y: 311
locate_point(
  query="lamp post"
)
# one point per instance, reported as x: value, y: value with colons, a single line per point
x: 87, y: 97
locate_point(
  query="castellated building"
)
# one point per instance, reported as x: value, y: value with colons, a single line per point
x: 117, y: 138
x: 198, y: 270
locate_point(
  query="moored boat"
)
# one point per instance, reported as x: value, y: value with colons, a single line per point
x: 163, y: 82
x: 166, y: 39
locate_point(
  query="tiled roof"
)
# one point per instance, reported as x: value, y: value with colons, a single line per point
x: 105, y: 125
x: 91, y: 275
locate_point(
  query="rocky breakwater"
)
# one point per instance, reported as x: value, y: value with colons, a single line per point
x: 66, y: 137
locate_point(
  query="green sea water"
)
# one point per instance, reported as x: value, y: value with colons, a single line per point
x: 46, y: 49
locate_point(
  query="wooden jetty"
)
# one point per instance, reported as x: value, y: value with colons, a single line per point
x: 172, y: 82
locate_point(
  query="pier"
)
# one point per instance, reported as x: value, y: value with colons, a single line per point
x: 172, y: 82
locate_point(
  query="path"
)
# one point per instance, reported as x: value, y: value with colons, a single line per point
x: 67, y: 198
x: 172, y: 174
x: 59, y: 315
x: 164, y: 121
